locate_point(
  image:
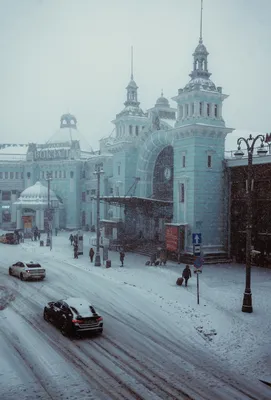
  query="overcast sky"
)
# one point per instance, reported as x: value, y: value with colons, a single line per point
x: 74, y: 55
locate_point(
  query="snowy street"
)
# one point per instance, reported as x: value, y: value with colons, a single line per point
x: 157, y: 342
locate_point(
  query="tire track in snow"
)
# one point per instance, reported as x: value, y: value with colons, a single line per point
x: 122, y: 390
x: 216, y: 378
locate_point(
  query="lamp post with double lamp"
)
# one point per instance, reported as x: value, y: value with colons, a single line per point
x: 49, y: 214
x: 98, y: 171
x: 261, y: 151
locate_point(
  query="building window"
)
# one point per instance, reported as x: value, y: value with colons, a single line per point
x: 193, y: 109
x: 111, y: 190
x: 136, y: 130
x: 201, y: 108
x: 208, y: 109
x: 6, y: 195
x: 22, y: 175
x: 183, y: 161
x: 60, y: 174
x: 83, y: 218
x: 1, y: 175
x: 93, y: 192
x: 130, y: 129
x: 11, y: 175
x: 55, y: 174
x: 186, y: 110
x: 16, y: 175
x: 215, y: 110
x: 181, y: 194
x: 83, y: 197
x: 28, y: 175
x: 64, y: 174
x: 209, y: 162
x: 118, y: 169
x: 71, y: 174
x: 180, y: 112
x: 6, y: 216
x: 6, y: 175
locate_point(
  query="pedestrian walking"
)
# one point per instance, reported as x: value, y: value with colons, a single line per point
x: 122, y: 255
x: 75, y: 250
x: 186, y: 274
x: 71, y: 238
x: 91, y: 254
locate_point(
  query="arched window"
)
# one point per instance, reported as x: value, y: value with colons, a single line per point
x: 201, y: 108
x: 215, y: 110
x: 193, y: 109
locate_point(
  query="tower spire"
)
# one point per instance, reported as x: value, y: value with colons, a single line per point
x: 132, y: 86
x: 201, y: 10
x: 132, y: 62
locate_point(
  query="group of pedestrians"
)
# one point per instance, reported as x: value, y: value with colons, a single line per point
x: 186, y: 275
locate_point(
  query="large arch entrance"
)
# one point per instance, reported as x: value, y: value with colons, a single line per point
x: 151, y: 206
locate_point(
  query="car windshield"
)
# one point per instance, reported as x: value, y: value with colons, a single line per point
x: 33, y: 265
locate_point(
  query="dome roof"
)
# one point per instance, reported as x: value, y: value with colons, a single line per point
x: 201, y: 49
x: 68, y: 132
x: 201, y: 84
x: 36, y: 194
x: 132, y: 84
x: 162, y: 101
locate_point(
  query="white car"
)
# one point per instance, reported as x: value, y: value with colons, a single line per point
x: 27, y: 270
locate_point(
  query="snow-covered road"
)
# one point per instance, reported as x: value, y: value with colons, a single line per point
x: 144, y: 353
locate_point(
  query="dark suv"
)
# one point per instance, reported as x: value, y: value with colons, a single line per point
x: 73, y: 316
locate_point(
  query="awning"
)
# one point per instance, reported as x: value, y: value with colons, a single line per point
x: 134, y: 201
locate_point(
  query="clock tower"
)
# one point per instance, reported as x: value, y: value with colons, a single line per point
x: 199, y: 146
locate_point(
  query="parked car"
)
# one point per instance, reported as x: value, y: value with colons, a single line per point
x: 73, y: 316
x: 27, y: 270
x: 8, y: 238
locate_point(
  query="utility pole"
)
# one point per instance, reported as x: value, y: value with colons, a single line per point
x: 98, y: 171
x: 49, y: 214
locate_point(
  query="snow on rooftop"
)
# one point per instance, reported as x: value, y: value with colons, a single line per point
x: 67, y: 135
x: 13, y: 153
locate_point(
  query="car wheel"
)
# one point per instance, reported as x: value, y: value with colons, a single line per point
x: 21, y: 277
x: 64, y: 329
x: 45, y: 316
x: 10, y: 271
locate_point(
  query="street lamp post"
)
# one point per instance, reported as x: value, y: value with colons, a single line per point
x: 247, y: 300
x: 99, y: 171
x: 49, y: 232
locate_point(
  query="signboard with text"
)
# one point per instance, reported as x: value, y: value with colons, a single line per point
x: 172, y: 238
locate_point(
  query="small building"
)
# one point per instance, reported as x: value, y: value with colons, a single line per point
x: 32, y: 209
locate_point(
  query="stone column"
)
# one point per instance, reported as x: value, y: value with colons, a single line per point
x: 41, y: 220
x: 38, y: 219
x: 19, y: 222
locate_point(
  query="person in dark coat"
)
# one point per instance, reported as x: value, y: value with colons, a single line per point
x: 153, y: 258
x: 71, y: 238
x: 91, y: 254
x: 122, y: 255
x: 186, y: 274
x: 75, y: 250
